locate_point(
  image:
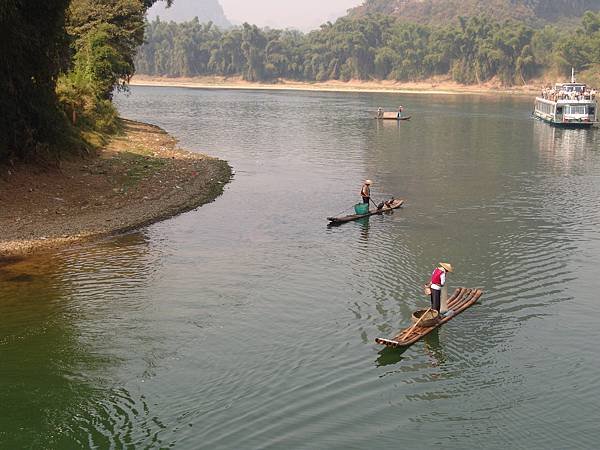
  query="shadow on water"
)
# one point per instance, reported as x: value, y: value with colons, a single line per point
x: 390, y: 356
x: 364, y: 221
x: 9, y: 260
x: 22, y: 278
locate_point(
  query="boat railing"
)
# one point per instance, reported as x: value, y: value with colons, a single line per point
x: 552, y: 95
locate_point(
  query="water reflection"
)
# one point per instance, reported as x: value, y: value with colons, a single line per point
x: 248, y: 324
x: 390, y: 356
x: 364, y: 229
x: 39, y: 350
x: 434, y: 349
x: 391, y: 127
x: 563, y: 148
x: 60, y: 340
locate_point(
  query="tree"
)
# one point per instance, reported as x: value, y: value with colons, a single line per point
x: 33, y: 48
x: 472, y: 50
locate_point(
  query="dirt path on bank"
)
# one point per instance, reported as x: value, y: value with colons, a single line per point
x: 139, y: 178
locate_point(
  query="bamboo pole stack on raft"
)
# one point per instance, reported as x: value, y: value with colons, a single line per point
x: 462, y: 299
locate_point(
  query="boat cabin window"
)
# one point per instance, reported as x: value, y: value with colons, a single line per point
x: 575, y: 109
x: 559, y: 110
x: 547, y: 108
x: 591, y: 111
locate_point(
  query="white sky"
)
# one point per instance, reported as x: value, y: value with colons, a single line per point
x: 302, y: 14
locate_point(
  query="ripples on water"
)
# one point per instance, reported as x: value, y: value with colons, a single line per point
x: 250, y: 324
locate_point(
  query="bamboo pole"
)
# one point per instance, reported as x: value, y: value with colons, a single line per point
x: 415, y: 325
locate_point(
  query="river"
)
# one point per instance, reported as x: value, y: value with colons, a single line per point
x: 249, y: 324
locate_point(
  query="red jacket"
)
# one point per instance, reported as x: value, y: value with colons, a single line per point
x: 436, y: 276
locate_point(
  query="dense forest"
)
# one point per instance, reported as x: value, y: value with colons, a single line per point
x: 61, y: 60
x: 471, y: 50
x: 60, y: 63
x: 531, y: 12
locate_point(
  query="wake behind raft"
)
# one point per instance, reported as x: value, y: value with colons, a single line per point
x: 462, y: 299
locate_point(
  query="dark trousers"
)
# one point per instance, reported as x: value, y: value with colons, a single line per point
x: 366, y: 199
x: 436, y: 299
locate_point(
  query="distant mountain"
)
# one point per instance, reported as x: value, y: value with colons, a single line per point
x: 184, y: 11
x: 533, y: 12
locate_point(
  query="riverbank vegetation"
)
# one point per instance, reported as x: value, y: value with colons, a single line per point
x: 374, y: 47
x: 61, y: 61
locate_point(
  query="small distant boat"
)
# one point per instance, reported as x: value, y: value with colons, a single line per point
x: 395, y: 204
x: 391, y: 116
x: 567, y: 105
x: 461, y: 299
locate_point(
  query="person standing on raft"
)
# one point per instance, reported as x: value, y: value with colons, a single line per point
x: 400, y: 109
x: 365, y: 191
x: 438, y: 280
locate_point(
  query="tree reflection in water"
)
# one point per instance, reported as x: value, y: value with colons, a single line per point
x: 57, y: 377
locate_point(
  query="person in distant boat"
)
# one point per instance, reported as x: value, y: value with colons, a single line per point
x: 365, y: 191
x: 380, y: 113
x: 438, y: 280
x: 400, y: 109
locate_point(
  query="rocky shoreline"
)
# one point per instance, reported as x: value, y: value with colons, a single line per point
x: 139, y: 178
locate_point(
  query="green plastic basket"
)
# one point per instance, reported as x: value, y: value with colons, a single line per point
x: 361, y: 208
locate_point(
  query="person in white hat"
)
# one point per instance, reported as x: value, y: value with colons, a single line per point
x: 438, y: 280
x: 400, y: 109
x: 365, y: 191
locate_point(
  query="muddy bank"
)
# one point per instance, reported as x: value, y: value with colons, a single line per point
x: 139, y: 178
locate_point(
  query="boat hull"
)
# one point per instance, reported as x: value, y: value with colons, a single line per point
x: 339, y: 220
x: 571, y: 125
x: 462, y: 299
x: 393, y: 118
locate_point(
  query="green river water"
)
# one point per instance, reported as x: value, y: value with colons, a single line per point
x: 249, y: 324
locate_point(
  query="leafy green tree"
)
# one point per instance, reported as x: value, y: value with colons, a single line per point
x: 33, y: 50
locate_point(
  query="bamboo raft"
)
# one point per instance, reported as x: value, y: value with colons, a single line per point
x: 391, y: 116
x: 394, y: 205
x: 462, y: 299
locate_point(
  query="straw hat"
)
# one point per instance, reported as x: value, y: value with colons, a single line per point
x: 368, y: 182
x: 447, y: 267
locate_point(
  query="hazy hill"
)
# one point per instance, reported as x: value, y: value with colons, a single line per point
x: 183, y: 11
x: 533, y: 12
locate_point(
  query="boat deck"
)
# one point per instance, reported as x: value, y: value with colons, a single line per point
x: 392, y: 116
x: 338, y: 220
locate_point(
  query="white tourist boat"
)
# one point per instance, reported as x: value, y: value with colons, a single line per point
x: 568, y: 105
